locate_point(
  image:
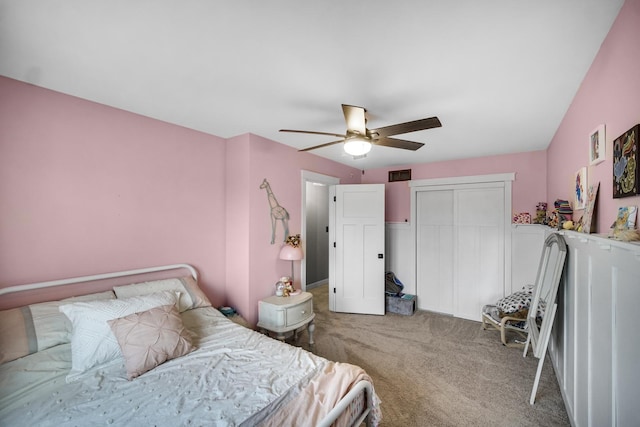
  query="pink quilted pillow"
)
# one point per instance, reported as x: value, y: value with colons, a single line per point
x: 150, y: 338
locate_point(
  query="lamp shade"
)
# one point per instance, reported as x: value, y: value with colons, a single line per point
x: 357, y: 146
x: 290, y: 253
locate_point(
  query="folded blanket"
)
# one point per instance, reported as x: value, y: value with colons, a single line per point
x: 311, y: 402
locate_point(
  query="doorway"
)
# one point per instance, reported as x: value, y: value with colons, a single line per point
x: 314, y: 267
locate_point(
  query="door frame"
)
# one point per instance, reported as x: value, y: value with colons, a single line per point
x: 427, y: 184
x: 312, y: 177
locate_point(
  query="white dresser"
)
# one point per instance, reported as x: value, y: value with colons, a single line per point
x: 286, y: 314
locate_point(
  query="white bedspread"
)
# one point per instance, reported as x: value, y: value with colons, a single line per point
x: 211, y: 386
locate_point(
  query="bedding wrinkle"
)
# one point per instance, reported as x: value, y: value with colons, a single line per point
x: 30, y: 330
x: 235, y: 377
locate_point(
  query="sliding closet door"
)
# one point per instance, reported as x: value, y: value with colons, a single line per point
x: 434, y: 241
x: 479, y: 249
x: 460, y: 248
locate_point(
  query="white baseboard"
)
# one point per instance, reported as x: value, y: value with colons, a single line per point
x: 318, y: 283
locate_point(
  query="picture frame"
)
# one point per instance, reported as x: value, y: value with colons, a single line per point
x: 589, y: 219
x: 580, y: 200
x: 626, y: 219
x: 597, y: 144
x: 626, y: 168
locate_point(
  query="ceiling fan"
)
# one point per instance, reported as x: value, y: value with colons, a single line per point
x: 358, y: 139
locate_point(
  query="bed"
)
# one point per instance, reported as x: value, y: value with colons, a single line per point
x: 176, y: 361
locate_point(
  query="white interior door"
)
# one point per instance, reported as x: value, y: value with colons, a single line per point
x: 356, y: 262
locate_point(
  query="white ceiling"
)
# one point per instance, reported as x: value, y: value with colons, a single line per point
x: 500, y: 74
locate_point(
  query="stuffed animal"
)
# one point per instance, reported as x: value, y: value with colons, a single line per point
x: 293, y: 241
x: 553, y: 220
x: 541, y: 213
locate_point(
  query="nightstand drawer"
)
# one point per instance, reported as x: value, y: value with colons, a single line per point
x: 299, y: 313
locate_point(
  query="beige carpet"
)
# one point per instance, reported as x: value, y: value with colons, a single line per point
x: 435, y: 370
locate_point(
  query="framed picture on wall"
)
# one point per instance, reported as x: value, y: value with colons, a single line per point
x: 625, y: 164
x: 580, y: 190
x: 596, y: 145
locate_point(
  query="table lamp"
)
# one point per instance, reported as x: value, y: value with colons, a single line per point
x: 291, y: 253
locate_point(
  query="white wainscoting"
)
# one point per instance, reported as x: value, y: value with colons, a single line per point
x: 527, y: 241
x: 400, y: 255
x: 595, y: 343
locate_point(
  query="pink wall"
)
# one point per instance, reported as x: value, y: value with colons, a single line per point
x: 609, y: 95
x: 86, y: 189
x: 281, y: 166
x: 528, y: 187
x: 237, y: 233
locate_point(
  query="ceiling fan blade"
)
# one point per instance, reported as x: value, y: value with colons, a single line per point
x: 355, y: 118
x: 339, y: 135
x: 322, y: 145
x: 416, y: 125
x: 398, y: 143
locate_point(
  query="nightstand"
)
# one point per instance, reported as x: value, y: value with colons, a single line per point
x: 285, y: 314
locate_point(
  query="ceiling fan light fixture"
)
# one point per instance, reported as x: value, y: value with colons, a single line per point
x: 357, y: 146
x: 358, y: 138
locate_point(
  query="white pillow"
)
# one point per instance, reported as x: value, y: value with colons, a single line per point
x: 36, y: 327
x: 191, y: 296
x: 92, y: 342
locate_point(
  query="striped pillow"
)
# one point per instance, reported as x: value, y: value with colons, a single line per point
x: 191, y: 296
x: 92, y: 342
x: 36, y: 327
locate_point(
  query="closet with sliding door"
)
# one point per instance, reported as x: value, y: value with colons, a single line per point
x: 461, y: 230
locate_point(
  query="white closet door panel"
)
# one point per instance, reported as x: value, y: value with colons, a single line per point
x: 480, y: 207
x: 435, y: 207
x: 479, y: 250
x: 434, y: 269
x: 460, y: 248
x: 479, y: 270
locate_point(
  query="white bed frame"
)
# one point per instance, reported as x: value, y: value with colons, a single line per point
x: 80, y: 279
x: 331, y: 417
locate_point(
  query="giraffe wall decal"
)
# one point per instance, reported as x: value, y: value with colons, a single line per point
x: 278, y: 213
